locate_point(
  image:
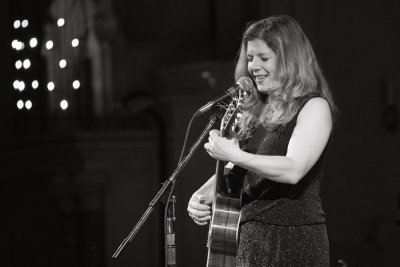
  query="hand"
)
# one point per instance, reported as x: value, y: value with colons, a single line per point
x: 221, y: 148
x: 199, y: 208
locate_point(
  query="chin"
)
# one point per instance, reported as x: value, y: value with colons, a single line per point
x: 262, y: 89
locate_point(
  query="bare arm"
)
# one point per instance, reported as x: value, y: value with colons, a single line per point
x: 309, y: 138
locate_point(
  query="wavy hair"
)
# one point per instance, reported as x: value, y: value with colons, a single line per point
x: 297, y: 72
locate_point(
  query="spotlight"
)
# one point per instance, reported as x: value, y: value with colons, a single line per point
x: 50, y: 86
x: 20, y: 104
x: 33, y: 42
x: 18, y: 64
x: 62, y: 63
x: 35, y: 84
x: 16, y: 84
x: 19, y: 45
x: 17, y: 24
x: 64, y: 104
x: 21, y: 86
x: 28, y: 104
x: 25, y: 23
x: 75, y: 42
x: 60, y: 22
x: 49, y: 45
x: 76, y: 84
x: 27, y: 63
x: 14, y: 44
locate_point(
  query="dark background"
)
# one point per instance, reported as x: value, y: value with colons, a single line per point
x: 74, y: 182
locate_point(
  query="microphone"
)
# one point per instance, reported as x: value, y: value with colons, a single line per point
x: 244, y: 83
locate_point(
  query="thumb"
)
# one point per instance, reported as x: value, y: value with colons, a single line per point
x: 205, y: 199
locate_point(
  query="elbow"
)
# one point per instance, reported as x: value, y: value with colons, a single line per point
x: 294, y: 177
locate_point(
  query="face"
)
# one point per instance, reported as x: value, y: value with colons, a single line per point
x: 261, y: 64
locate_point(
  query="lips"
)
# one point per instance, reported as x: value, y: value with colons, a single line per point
x: 260, y: 78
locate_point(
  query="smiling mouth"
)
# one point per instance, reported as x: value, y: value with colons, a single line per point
x: 260, y: 78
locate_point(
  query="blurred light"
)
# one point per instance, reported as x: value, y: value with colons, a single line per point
x: 25, y: 23
x: 63, y: 63
x: 16, y: 84
x: 27, y: 63
x: 76, y: 84
x: 17, y: 24
x: 18, y: 64
x: 14, y: 44
x: 21, y: 86
x: 35, y: 84
x: 19, y: 45
x: 20, y: 104
x: 28, y: 104
x: 75, y: 42
x: 50, y: 86
x: 49, y: 45
x: 64, y: 104
x: 33, y: 42
x: 60, y: 22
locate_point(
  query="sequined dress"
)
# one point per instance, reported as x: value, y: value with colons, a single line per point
x: 281, y: 224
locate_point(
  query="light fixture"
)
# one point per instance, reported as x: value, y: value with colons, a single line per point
x: 50, y: 86
x: 19, y: 46
x: 75, y: 42
x: 35, y: 84
x: 64, y: 104
x: 62, y: 63
x: 16, y: 84
x: 21, y: 86
x: 14, y: 43
x: 25, y: 23
x: 27, y: 63
x: 33, y: 42
x: 20, y: 104
x: 28, y: 104
x: 18, y: 64
x: 17, y: 24
x: 49, y: 44
x: 60, y: 22
x: 76, y: 84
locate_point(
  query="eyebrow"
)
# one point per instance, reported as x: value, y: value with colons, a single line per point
x: 260, y: 54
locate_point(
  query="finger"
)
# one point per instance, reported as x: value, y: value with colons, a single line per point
x: 195, y: 204
x: 200, y: 223
x: 207, y: 146
x: 215, y: 134
x: 198, y: 206
x: 199, y: 213
x: 204, y: 199
x: 202, y: 219
x: 210, y: 140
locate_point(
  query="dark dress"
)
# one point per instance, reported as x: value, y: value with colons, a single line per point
x: 281, y: 224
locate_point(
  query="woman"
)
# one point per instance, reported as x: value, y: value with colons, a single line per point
x: 281, y: 144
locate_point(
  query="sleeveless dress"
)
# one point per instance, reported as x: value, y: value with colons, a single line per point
x: 281, y: 224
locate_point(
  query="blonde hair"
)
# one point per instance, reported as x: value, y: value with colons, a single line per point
x: 297, y: 72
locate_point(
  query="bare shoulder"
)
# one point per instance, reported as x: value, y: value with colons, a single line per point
x: 316, y: 108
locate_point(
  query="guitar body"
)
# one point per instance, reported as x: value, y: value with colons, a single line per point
x: 224, y: 225
x: 223, y: 233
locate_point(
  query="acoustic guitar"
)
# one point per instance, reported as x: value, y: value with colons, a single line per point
x: 224, y: 224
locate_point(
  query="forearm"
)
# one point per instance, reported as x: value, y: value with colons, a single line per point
x: 280, y: 169
x: 207, y: 187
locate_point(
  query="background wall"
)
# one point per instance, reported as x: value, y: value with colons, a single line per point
x: 79, y: 180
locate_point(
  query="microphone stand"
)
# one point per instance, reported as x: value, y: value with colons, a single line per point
x: 166, y: 184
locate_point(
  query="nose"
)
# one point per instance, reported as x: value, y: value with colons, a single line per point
x: 254, y: 65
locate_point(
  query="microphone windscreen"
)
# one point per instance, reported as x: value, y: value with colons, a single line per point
x: 245, y: 83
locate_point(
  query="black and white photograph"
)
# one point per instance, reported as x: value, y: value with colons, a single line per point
x: 201, y: 133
